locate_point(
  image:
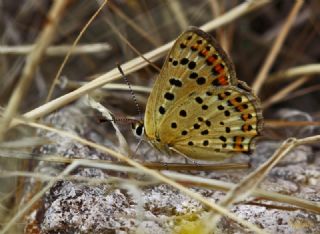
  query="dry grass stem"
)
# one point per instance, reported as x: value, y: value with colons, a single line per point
x: 124, y: 39
x: 280, y: 95
x: 123, y: 145
x: 137, y: 63
x: 233, y: 14
x: 32, y: 62
x: 112, y: 87
x: 79, y: 179
x: 59, y: 50
x: 73, y: 156
x: 5, y: 153
x: 217, y: 10
x: 76, y: 41
x: 302, y: 92
x: 191, y: 180
x: 133, y: 25
x: 178, y: 13
x: 307, y: 140
x: 152, y: 173
x: 284, y: 123
x: 262, y: 75
x: 28, y: 142
x: 294, y: 73
x: 258, y: 193
x: 248, y: 184
x: 245, y: 187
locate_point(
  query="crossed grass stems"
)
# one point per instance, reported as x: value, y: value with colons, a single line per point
x: 236, y: 193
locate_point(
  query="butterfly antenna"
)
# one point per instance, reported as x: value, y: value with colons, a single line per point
x: 124, y: 39
x: 120, y: 120
x: 131, y: 91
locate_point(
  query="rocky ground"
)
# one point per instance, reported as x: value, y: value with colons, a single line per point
x: 73, y: 207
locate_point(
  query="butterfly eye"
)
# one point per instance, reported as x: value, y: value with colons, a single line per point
x: 138, y: 129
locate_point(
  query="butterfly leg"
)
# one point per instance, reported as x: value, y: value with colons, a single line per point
x: 137, y: 147
x: 156, y: 154
x: 146, y: 152
x: 187, y: 159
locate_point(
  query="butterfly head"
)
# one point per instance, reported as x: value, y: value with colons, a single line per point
x: 138, y: 129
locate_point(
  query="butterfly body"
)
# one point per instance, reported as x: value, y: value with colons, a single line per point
x: 197, y: 107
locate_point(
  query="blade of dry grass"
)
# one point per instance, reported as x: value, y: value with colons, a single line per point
x: 32, y: 61
x: 244, y: 188
x: 262, y: 75
x: 123, y: 144
x: 138, y: 63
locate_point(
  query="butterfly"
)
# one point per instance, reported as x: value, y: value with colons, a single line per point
x: 197, y: 107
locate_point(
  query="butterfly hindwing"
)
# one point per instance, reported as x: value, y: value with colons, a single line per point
x: 215, y: 123
x: 195, y: 61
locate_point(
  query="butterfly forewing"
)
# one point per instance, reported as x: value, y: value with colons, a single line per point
x: 195, y: 61
x: 197, y: 106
